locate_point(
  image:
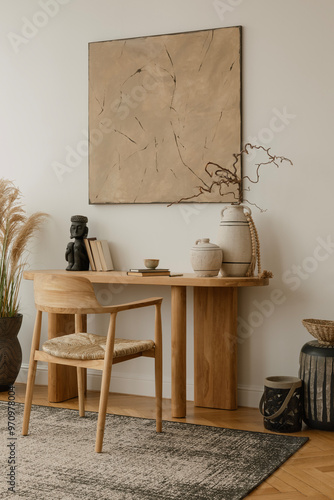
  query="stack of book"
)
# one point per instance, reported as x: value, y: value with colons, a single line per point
x: 148, y: 272
x: 99, y: 254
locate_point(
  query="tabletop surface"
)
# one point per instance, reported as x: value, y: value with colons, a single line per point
x: 187, y: 279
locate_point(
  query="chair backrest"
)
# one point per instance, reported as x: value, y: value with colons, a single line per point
x: 65, y: 294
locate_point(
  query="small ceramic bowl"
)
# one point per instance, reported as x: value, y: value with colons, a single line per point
x: 151, y: 263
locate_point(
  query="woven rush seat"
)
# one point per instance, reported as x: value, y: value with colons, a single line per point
x: 92, y: 346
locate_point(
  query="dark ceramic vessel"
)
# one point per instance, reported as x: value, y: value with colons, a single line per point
x: 317, y: 372
x: 10, y: 351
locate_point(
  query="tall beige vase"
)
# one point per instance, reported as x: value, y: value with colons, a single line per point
x: 234, y: 239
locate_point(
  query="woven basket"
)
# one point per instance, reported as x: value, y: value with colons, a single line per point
x: 321, y: 329
x: 281, y: 404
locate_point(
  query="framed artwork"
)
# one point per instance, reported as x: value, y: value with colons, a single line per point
x: 160, y: 109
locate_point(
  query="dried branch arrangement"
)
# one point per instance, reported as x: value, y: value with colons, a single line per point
x: 222, y: 177
x: 16, y: 229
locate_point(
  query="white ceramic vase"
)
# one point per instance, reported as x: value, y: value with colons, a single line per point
x: 206, y: 258
x: 234, y: 239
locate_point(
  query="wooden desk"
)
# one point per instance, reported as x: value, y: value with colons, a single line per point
x: 215, y: 336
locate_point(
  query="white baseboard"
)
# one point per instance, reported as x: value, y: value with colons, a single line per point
x: 121, y: 384
x: 247, y: 396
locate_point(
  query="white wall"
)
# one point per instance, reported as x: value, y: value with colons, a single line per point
x: 287, y: 69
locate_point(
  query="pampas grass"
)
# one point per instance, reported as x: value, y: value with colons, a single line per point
x: 16, y: 229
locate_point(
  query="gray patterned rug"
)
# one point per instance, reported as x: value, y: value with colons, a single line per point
x: 57, y: 459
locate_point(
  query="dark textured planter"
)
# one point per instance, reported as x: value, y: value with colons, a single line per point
x: 317, y: 372
x: 10, y: 351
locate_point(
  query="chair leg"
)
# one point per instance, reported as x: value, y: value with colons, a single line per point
x: 31, y: 373
x: 158, y: 394
x: 158, y: 368
x: 106, y: 374
x: 102, y: 410
x: 81, y: 390
x: 28, y: 397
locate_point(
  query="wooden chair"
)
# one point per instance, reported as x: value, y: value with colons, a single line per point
x: 75, y: 295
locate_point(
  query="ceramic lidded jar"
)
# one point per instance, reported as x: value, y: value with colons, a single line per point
x: 206, y: 258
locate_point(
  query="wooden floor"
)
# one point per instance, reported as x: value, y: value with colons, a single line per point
x: 308, y: 474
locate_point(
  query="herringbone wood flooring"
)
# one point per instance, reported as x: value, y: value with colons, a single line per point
x: 307, y: 474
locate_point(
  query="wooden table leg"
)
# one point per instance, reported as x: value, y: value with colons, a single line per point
x: 215, y: 347
x: 62, y: 380
x: 179, y: 337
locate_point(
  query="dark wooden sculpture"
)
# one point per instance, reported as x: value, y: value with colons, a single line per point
x: 76, y: 253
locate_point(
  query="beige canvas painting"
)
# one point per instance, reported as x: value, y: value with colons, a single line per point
x: 160, y: 109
